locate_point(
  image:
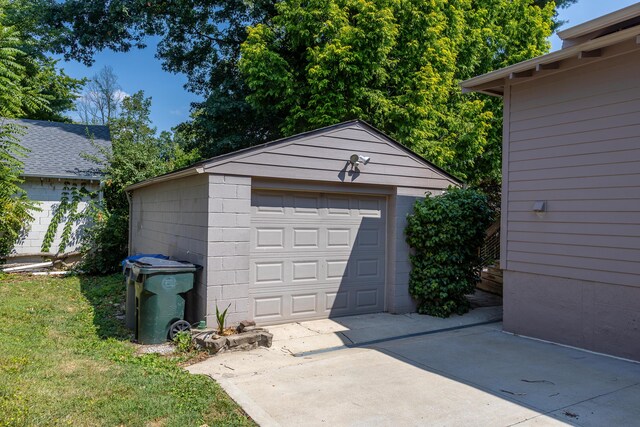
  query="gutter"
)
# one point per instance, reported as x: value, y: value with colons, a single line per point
x: 61, y: 177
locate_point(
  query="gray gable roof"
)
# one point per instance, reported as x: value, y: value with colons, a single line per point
x: 55, y: 149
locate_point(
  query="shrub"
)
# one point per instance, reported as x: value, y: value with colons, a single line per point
x: 104, y: 241
x: 183, y: 342
x: 15, y: 207
x: 445, y: 233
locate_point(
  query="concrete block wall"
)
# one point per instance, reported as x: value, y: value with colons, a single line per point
x: 171, y: 218
x: 48, y: 193
x: 228, y: 248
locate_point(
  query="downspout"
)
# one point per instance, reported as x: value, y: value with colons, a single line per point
x: 129, y: 233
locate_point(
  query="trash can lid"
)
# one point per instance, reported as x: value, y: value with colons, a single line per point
x: 157, y: 265
x: 131, y: 259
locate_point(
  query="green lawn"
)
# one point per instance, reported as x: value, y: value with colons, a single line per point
x: 66, y: 360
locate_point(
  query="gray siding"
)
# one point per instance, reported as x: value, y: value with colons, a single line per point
x: 573, y: 141
x: 324, y: 157
x: 581, y: 313
x: 172, y: 218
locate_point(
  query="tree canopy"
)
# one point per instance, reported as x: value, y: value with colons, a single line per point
x: 394, y: 64
x: 270, y: 68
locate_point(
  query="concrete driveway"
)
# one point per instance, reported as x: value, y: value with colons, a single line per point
x: 365, y: 371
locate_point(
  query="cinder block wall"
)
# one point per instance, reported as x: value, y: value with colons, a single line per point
x: 171, y: 218
x: 228, y: 250
x: 48, y: 193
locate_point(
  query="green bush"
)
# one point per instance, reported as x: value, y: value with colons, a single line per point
x: 15, y: 207
x: 105, y: 240
x: 445, y: 233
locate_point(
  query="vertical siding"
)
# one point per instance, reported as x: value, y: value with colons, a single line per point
x: 171, y: 218
x: 574, y: 142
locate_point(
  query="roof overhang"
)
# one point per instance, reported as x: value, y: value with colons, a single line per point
x: 61, y: 177
x: 182, y: 173
x: 601, y: 23
x: 582, y: 54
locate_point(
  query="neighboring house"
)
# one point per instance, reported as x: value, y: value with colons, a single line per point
x: 570, y: 245
x: 291, y: 230
x: 55, y: 165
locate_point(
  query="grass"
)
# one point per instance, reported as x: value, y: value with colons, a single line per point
x: 65, y: 359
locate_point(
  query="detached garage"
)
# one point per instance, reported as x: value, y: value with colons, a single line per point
x: 306, y: 227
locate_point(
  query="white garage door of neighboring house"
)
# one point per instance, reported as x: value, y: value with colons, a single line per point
x: 315, y: 255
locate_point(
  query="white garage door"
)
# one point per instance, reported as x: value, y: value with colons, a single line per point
x: 316, y: 255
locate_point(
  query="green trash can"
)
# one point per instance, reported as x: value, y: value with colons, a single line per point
x: 161, y: 285
x: 130, y: 285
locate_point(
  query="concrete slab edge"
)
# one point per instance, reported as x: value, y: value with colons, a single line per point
x: 574, y: 348
x: 259, y: 415
x: 399, y: 337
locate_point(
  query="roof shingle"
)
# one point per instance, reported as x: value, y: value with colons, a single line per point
x: 56, y: 149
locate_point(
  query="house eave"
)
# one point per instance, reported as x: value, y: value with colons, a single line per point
x: 63, y: 177
x: 492, y: 82
x: 601, y: 22
x: 191, y: 171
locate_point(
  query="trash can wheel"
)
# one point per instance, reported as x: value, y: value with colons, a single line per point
x: 177, y: 327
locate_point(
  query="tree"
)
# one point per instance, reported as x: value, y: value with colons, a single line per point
x: 102, y: 98
x: 32, y: 86
x: 136, y: 154
x: 14, y: 205
x: 396, y: 65
x: 204, y: 38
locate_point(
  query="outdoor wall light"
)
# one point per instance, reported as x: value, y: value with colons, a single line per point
x: 539, y: 206
x: 358, y: 160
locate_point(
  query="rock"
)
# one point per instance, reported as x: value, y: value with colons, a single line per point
x: 265, y: 339
x: 242, y: 339
x: 248, y: 340
x: 213, y: 343
x: 245, y: 324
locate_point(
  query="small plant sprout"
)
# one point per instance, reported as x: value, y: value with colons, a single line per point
x: 221, y: 318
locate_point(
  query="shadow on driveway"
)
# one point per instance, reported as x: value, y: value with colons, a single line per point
x: 473, y: 376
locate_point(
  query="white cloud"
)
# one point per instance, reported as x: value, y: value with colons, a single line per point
x: 120, y: 95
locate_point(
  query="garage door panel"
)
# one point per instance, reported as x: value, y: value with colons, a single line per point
x: 304, y: 304
x: 269, y: 272
x: 369, y: 239
x: 305, y: 271
x: 269, y: 238
x: 319, y: 255
x: 267, y: 203
x: 268, y: 307
x: 306, y: 238
x: 306, y: 205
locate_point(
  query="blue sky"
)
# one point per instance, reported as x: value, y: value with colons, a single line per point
x: 140, y: 70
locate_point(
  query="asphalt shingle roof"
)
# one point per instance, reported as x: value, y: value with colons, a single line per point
x: 56, y: 148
